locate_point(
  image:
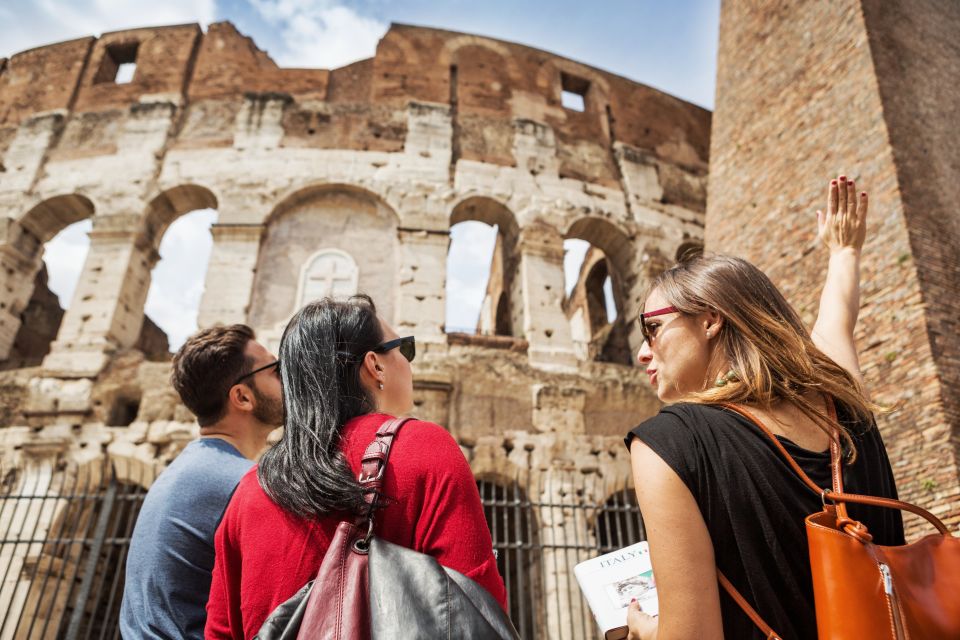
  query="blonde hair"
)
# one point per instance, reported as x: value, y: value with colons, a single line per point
x: 765, y: 341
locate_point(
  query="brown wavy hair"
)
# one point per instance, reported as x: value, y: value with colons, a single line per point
x: 765, y: 341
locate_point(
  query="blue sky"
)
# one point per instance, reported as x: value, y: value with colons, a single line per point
x: 670, y: 45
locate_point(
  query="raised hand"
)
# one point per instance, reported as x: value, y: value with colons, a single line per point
x: 844, y: 225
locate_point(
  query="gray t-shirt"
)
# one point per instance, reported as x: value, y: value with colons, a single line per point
x: 171, y: 553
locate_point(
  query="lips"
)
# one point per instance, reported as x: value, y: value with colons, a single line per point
x: 653, y: 376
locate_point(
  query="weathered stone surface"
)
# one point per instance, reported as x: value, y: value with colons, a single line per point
x: 805, y: 93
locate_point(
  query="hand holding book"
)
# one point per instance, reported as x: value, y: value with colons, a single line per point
x: 640, y: 625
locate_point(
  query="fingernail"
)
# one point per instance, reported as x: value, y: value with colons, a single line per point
x: 833, y: 182
x: 863, y: 193
x: 632, y: 600
x: 843, y: 178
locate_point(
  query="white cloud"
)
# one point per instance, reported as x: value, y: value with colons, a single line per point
x: 468, y: 269
x: 574, y: 253
x: 43, y: 22
x: 320, y: 33
x: 177, y: 283
x: 64, y: 256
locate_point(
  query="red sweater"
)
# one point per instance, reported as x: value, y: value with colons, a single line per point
x: 265, y: 554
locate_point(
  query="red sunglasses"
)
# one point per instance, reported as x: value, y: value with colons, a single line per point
x: 650, y: 331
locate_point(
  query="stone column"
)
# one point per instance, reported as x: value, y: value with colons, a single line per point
x: 107, y: 308
x: 423, y: 269
x: 545, y: 326
x: 230, y: 274
x: 20, y: 260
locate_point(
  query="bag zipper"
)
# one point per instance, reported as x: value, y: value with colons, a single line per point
x: 892, y: 601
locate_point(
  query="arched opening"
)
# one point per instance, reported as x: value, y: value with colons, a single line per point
x: 596, y: 262
x: 51, y: 240
x: 178, y: 225
x: 618, y: 523
x: 326, y: 240
x: 482, y: 293
x: 513, y: 528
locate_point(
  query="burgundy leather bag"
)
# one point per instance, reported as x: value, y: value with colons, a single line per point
x: 367, y: 587
x: 865, y: 590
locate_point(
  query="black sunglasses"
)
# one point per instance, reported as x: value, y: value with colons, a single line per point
x: 408, y: 347
x: 275, y: 363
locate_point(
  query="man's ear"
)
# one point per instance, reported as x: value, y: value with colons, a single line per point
x: 240, y: 397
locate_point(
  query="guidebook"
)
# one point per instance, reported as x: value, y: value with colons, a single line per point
x: 611, y: 581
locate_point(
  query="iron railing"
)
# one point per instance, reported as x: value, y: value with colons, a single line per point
x: 541, y: 529
x: 64, y: 535
x: 65, y: 532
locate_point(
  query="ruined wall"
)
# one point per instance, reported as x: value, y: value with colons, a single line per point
x: 367, y: 166
x: 869, y: 89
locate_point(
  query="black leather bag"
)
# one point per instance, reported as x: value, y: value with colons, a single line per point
x: 369, y: 588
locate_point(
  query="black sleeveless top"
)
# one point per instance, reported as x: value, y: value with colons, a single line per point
x: 754, y: 505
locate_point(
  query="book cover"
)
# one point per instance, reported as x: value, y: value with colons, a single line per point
x: 611, y: 581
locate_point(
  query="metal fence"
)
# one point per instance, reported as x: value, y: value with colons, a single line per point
x: 542, y: 528
x: 65, y: 532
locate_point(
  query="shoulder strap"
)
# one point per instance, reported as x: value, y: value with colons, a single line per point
x: 374, y: 461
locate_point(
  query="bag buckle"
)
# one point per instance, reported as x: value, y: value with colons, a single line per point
x: 374, y: 477
x: 824, y: 497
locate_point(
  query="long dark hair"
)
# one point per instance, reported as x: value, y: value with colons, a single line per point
x: 321, y: 352
x: 764, y: 339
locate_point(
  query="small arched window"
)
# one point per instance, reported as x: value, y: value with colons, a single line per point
x: 329, y: 273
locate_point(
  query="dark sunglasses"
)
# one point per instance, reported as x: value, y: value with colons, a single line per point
x: 650, y: 331
x: 275, y: 363
x: 408, y: 347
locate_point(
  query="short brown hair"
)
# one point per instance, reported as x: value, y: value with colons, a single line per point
x: 207, y: 365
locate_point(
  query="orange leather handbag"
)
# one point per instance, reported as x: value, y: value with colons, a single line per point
x: 864, y: 590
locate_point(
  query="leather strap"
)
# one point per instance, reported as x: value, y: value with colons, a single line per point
x: 837, y: 496
x: 374, y: 464
x: 747, y: 609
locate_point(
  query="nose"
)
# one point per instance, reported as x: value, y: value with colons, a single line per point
x: 644, y: 355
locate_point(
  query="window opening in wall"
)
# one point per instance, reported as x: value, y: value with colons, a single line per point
x: 53, y: 288
x: 590, y: 304
x: 470, y: 264
x: 119, y: 64
x: 573, y: 92
x: 64, y: 256
x: 177, y: 284
x: 125, y: 72
x: 123, y: 412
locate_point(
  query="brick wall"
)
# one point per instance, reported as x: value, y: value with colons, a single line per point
x: 808, y: 90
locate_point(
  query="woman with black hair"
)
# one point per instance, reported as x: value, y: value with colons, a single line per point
x: 344, y: 373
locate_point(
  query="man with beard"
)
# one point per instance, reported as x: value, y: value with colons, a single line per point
x: 231, y: 383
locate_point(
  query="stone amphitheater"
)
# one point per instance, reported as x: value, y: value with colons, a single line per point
x: 334, y: 181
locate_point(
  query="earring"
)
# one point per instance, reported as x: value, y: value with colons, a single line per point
x: 708, y: 335
x: 380, y: 384
x: 722, y: 380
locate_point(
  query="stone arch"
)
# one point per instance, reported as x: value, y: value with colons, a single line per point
x: 448, y: 53
x: 342, y: 217
x: 23, y: 278
x: 618, y: 522
x: 501, y: 309
x: 170, y: 204
x: 49, y: 217
x: 612, y: 256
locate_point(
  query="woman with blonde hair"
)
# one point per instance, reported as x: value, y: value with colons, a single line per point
x: 714, y: 491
